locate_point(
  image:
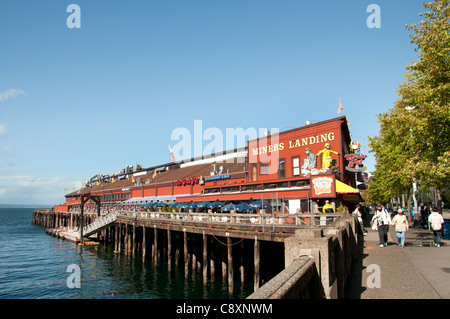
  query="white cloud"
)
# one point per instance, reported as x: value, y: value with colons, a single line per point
x: 31, y: 190
x: 10, y: 93
x: 2, y: 129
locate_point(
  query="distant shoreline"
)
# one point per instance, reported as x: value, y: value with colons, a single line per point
x: 24, y: 206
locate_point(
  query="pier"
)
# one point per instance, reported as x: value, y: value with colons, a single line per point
x: 258, y: 247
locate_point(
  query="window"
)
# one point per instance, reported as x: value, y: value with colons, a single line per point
x: 296, y: 166
x: 282, y: 168
x: 264, y: 168
x: 254, y: 173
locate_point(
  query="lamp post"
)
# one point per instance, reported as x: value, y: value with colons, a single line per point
x: 416, y: 208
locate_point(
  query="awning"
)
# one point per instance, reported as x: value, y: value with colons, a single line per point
x: 345, y: 189
x: 349, y: 194
x: 148, y: 199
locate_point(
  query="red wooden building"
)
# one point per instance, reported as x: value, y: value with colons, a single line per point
x: 290, y: 170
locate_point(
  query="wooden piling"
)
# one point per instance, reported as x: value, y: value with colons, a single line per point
x: 133, y: 247
x: 257, y: 262
x: 186, y: 256
x: 169, y: 248
x: 144, y: 244
x: 155, y: 244
x: 230, y: 266
x: 241, y: 267
x: 205, y: 258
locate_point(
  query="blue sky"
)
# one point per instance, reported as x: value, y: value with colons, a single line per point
x: 77, y: 102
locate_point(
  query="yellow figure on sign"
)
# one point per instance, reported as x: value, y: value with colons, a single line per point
x: 326, y: 156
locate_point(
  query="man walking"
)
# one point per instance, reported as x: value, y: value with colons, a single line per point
x: 383, y: 220
x: 436, y: 220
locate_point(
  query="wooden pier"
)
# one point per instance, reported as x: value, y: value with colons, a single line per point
x: 234, y: 246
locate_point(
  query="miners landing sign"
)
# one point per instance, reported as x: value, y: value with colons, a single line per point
x: 323, y: 186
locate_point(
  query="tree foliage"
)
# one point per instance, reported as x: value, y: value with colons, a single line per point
x: 414, y: 137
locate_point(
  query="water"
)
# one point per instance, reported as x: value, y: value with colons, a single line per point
x: 33, y: 265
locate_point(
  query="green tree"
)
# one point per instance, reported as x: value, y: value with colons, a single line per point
x: 414, y: 138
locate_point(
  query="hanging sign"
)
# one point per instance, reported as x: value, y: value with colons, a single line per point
x: 323, y: 186
x: 355, y: 159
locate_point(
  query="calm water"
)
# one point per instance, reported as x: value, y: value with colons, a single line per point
x: 34, y: 265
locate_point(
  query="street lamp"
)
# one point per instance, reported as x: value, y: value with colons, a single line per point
x: 416, y: 208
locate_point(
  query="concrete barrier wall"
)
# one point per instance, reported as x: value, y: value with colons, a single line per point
x: 318, y: 262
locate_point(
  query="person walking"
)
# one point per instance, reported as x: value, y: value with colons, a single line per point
x: 358, y: 213
x: 423, y: 210
x: 383, y: 220
x: 436, y: 220
x: 401, y: 227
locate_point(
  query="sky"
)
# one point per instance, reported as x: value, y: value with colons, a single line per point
x: 78, y: 101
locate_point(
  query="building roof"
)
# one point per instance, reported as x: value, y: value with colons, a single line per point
x: 173, y: 174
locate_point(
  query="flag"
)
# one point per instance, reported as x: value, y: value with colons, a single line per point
x: 66, y: 189
x: 340, y: 106
x: 348, y: 122
x: 74, y: 188
x: 154, y: 174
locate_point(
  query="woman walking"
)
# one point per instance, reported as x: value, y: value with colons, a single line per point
x: 383, y: 220
x: 401, y: 227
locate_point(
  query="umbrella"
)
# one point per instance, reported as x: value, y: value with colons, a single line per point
x: 160, y: 204
x: 243, y: 207
x: 203, y: 204
x: 228, y: 207
x: 182, y: 205
x: 175, y: 205
x: 257, y: 204
x: 215, y: 204
x: 193, y: 205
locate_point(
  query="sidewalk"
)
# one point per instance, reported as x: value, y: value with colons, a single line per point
x: 418, y: 271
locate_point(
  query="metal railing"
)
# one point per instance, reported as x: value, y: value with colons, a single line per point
x: 99, y: 223
x: 297, y: 219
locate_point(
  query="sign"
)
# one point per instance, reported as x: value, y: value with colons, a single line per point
x: 356, y: 159
x: 190, y: 181
x: 218, y: 177
x: 323, y: 186
x: 305, y: 141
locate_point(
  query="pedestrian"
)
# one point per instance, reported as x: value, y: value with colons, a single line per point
x: 423, y: 210
x: 327, y: 208
x: 358, y: 213
x: 383, y: 220
x: 401, y: 227
x: 436, y: 220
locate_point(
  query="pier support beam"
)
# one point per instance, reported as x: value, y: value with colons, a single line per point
x: 205, y: 258
x: 169, y: 249
x: 144, y: 244
x: 186, y: 256
x: 230, y: 266
x: 257, y: 262
x: 155, y: 245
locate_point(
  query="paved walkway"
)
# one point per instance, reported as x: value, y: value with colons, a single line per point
x: 417, y: 271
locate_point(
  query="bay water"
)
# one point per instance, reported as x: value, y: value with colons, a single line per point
x: 34, y: 265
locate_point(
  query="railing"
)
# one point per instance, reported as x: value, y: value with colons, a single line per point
x: 239, y: 219
x: 99, y: 223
